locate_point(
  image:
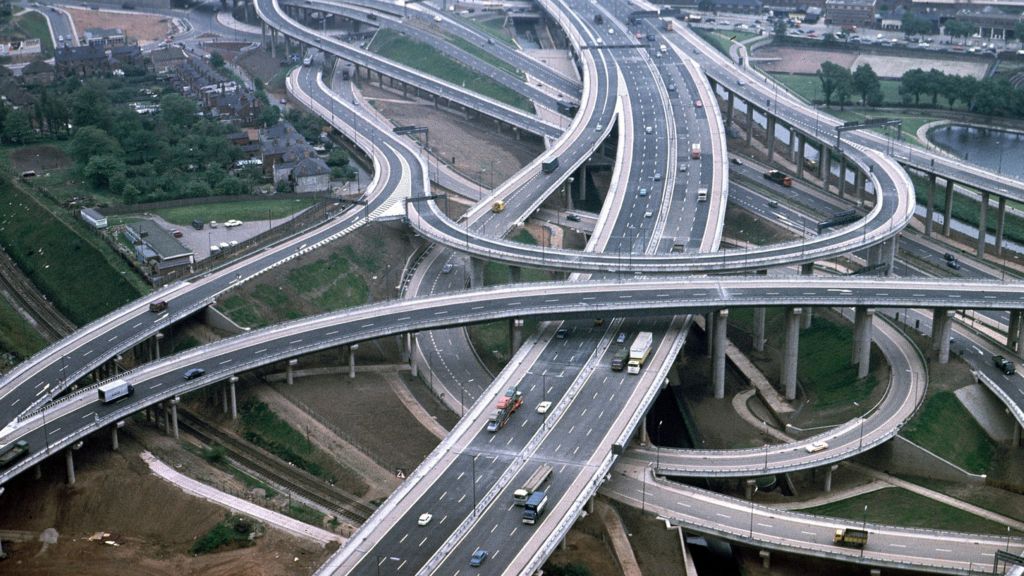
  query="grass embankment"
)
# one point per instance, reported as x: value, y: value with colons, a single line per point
x: 17, y: 337
x: 33, y: 25
x: 966, y: 444
x: 70, y: 268
x: 261, y: 426
x: 332, y: 282
x: 249, y: 211
x: 485, y: 56
x: 494, y: 27
x: 722, y: 41
x: 425, y: 58
x: 233, y: 532
x: 830, y: 386
x: 898, y: 507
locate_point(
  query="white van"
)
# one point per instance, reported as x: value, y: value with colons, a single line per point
x: 702, y: 195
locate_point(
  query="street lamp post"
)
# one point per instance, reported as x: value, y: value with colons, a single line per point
x: 864, y: 527
x: 658, y: 446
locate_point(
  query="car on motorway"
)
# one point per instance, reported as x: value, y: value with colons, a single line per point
x: 948, y: 257
x: 621, y: 338
x: 562, y: 334
x: 682, y: 167
x: 672, y: 87
x: 425, y: 518
x: 648, y: 214
x: 816, y: 446
x: 543, y: 407
x: 648, y: 129
x: 599, y: 127
x: 642, y: 193
x: 478, y: 557
x: 193, y: 373
x: 437, y: 18
x: 736, y: 161
x: 954, y: 264
x: 698, y: 104
x: 447, y: 268
x: 657, y: 177
x: 572, y: 218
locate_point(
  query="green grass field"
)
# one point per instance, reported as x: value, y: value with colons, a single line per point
x: 426, y: 59
x: 493, y: 27
x: 70, y: 268
x: 898, y: 507
x: 17, y: 336
x: 251, y: 211
x: 808, y: 87
x: 829, y: 382
x: 33, y: 25
x: 485, y: 56
x: 965, y: 444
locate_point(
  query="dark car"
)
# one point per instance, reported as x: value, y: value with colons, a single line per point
x: 193, y: 373
x: 572, y: 218
x: 954, y: 264
x: 561, y: 334
x: 949, y: 257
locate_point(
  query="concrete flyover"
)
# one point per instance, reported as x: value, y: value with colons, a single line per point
x: 271, y: 13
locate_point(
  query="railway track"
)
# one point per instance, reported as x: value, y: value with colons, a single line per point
x: 269, y: 467
x: 20, y: 291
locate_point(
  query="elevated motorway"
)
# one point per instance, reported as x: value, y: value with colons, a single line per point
x: 271, y: 12
x: 67, y: 420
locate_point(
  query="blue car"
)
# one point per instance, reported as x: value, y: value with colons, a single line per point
x: 478, y: 557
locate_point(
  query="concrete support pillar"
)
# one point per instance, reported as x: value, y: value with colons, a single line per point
x: 721, y: 318
x: 167, y: 418
x: 37, y: 472
x: 825, y: 163
x: 273, y: 43
x: 1016, y: 434
x: 943, y: 320
x: 766, y: 559
x: 69, y: 463
x: 1013, y: 330
x: 842, y: 175
x: 947, y: 210
x: 412, y: 357
x: 352, y: 360
x: 289, y: 371
x: 174, y: 418
x: 515, y: 274
x: 801, y: 149
x: 729, y: 107
x: 750, y: 122
x: 982, y: 224
x: 791, y: 352
x: 759, y: 315
x: 516, y: 334
x: 407, y: 351
x: 234, y: 397
x: 864, y: 334
x: 808, y: 312
x: 858, y: 186
x: 114, y: 444
x: 644, y: 438
x: 224, y: 399
x: 1020, y: 337
x: 828, y: 476
x: 590, y: 505
x: 1000, y: 224
x: 858, y: 323
x: 476, y: 273
x: 769, y: 138
x: 748, y: 488
x: 929, y: 214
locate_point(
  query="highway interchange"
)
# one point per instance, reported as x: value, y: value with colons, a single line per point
x: 400, y: 173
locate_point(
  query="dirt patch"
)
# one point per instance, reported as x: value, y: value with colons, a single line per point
x: 146, y: 28
x: 260, y: 64
x: 153, y: 523
x: 41, y: 158
x: 476, y: 148
x: 796, y: 61
x: 656, y: 548
x: 585, y: 545
x: 354, y: 409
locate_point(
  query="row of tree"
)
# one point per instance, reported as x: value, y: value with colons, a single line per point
x: 990, y: 96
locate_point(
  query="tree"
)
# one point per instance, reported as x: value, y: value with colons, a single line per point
x: 18, y: 127
x: 216, y: 60
x: 102, y: 169
x: 177, y: 110
x: 1018, y: 31
x: 831, y: 76
x: 270, y: 115
x: 959, y: 28
x: 913, y: 24
x: 89, y: 141
x: 706, y: 6
x: 934, y: 83
x: 844, y: 87
x: 866, y: 83
x: 780, y: 28
x: 283, y: 187
x: 913, y: 83
x: 338, y: 157
x: 90, y: 106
